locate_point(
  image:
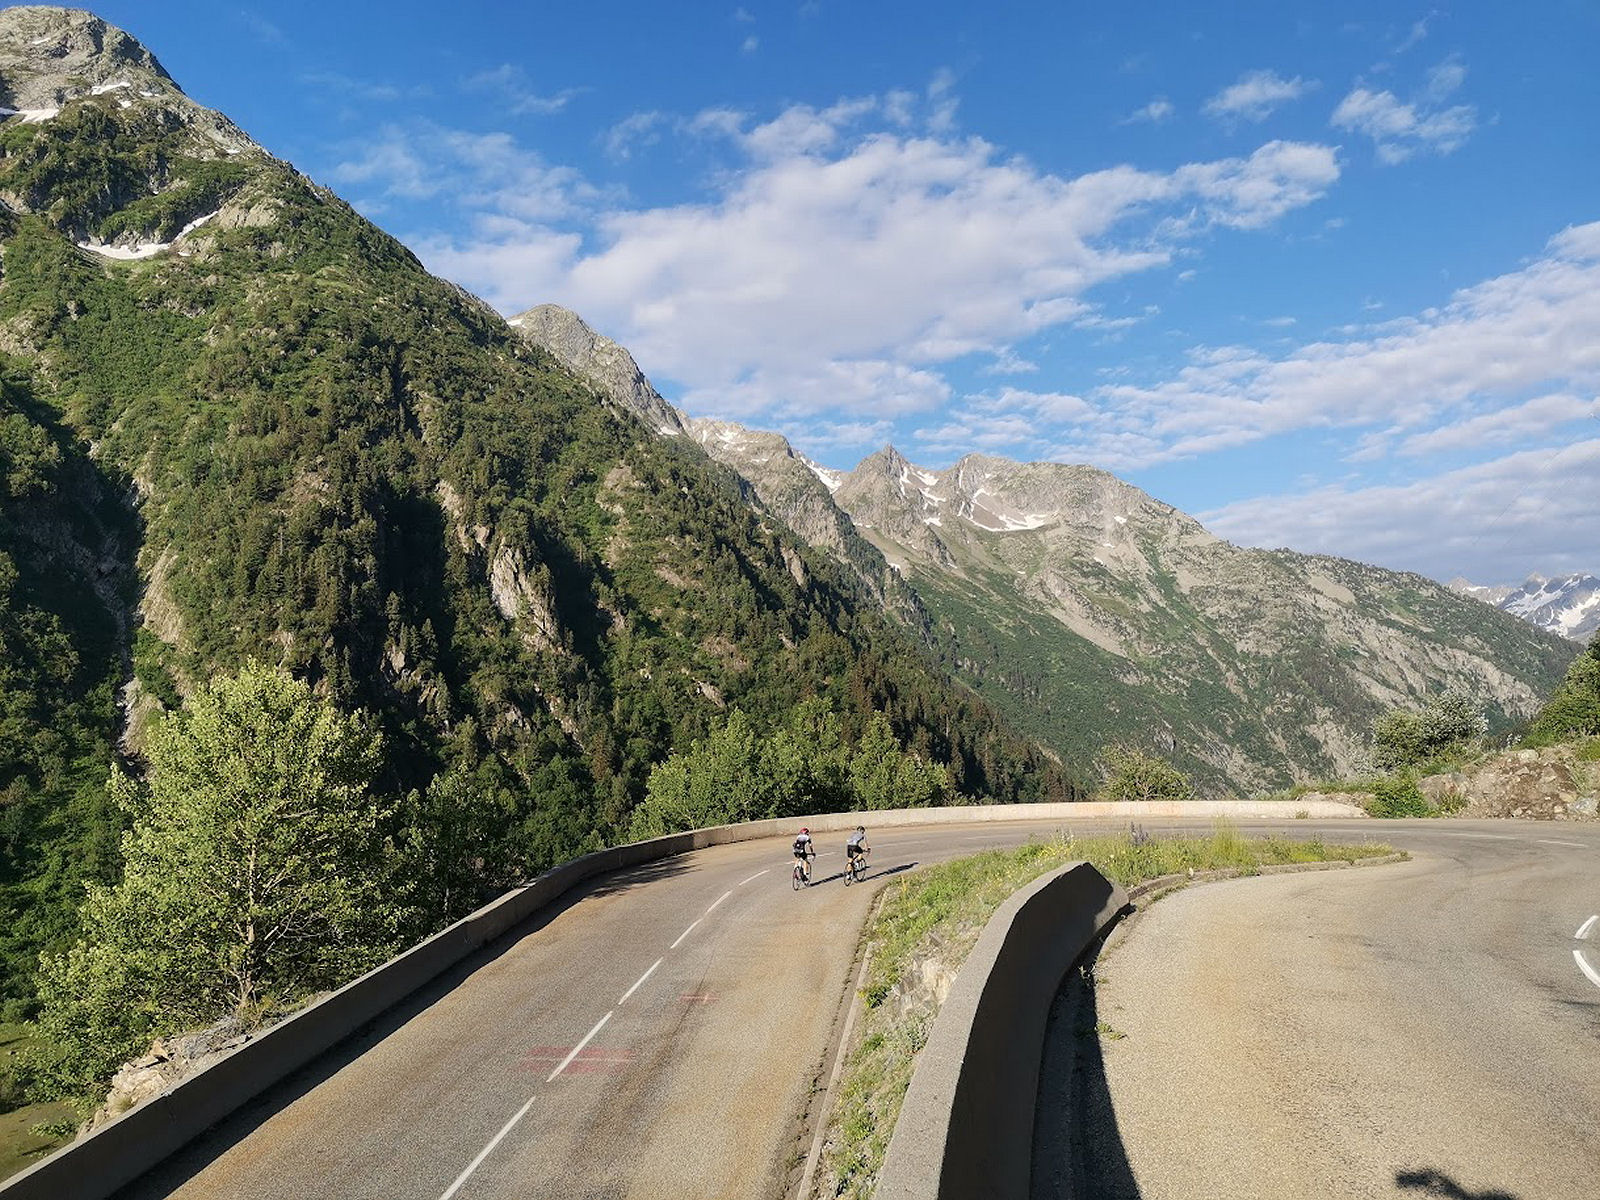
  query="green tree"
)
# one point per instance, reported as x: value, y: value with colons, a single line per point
x: 1574, y: 709
x: 875, y: 767
x: 254, y: 873
x: 1131, y: 774
x: 1403, y: 738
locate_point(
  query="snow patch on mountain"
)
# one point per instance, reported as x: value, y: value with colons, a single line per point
x: 1568, y: 605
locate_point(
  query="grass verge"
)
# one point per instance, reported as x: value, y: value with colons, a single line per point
x: 27, y: 1131
x: 927, y: 924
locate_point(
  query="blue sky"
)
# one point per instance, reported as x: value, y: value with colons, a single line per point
x: 1327, y: 277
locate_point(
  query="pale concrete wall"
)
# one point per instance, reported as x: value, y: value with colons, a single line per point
x: 966, y: 1127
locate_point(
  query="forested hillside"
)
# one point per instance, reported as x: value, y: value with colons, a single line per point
x: 241, y: 422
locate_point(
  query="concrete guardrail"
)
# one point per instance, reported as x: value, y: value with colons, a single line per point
x: 966, y: 1127
x: 118, y: 1152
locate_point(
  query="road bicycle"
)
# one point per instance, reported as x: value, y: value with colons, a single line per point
x: 856, y: 871
x: 801, y: 877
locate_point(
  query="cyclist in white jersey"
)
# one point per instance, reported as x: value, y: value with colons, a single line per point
x: 857, y: 845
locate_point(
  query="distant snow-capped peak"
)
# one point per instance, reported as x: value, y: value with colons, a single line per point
x: 1568, y: 605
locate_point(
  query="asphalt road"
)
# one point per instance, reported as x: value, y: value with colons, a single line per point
x: 1418, y: 1030
x: 659, y: 1035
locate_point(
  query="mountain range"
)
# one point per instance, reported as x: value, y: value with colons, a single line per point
x: 1089, y: 612
x: 1567, y: 605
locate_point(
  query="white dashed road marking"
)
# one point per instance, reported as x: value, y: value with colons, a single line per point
x: 638, y: 983
x: 1583, y: 930
x: 484, y: 1153
x: 567, y: 1061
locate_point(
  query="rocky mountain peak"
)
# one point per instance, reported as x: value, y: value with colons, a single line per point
x: 1567, y: 605
x: 565, y: 335
x: 50, y: 56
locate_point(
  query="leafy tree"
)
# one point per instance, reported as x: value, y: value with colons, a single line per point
x: 805, y: 767
x: 1131, y: 774
x: 883, y: 775
x: 254, y: 873
x: 1574, y: 709
x: 1402, y: 738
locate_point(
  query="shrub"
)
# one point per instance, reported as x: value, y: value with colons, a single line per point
x: 1402, y: 738
x: 1574, y: 709
x: 1398, y: 796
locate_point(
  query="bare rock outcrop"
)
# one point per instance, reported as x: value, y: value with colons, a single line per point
x: 1541, y: 785
x: 169, y: 1061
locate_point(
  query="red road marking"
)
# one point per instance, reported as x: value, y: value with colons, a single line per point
x: 699, y: 997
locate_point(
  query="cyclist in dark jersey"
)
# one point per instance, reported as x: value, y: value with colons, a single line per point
x: 804, y: 851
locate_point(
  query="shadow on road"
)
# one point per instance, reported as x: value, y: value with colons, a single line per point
x: 1436, y: 1183
x: 891, y: 870
x: 1077, y: 1146
x: 632, y: 877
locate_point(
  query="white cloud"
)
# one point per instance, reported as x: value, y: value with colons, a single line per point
x: 750, y: 44
x: 1472, y: 365
x: 1157, y: 111
x: 510, y: 82
x: 632, y: 133
x: 1400, y: 130
x: 1419, y: 31
x: 486, y: 172
x: 1255, y: 96
x: 361, y: 89
x: 1532, y: 419
x: 840, y: 261
x: 1496, y: 520
x: 1008, y: 362
x: 1012, y: 420
x: 943, y: 101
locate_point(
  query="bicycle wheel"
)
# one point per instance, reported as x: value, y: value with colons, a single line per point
x: 850, y: 873
x: 798, y: 877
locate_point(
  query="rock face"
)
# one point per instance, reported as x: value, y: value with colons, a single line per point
x: 1542, y: 785
x: 606, y: 365
x: 800, y: 493
x: 169, y: 1061
x: 1091, y: 612
x: 50, y: 56
x: 786, y: 483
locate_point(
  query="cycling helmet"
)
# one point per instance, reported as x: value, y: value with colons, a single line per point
x: 803, y: 829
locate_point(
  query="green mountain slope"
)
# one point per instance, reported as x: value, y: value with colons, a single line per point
x: 280, y: 438
x: 1089, y: 613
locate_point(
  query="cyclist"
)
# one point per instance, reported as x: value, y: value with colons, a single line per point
x: 804, y: 851
x: 856, y: 848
